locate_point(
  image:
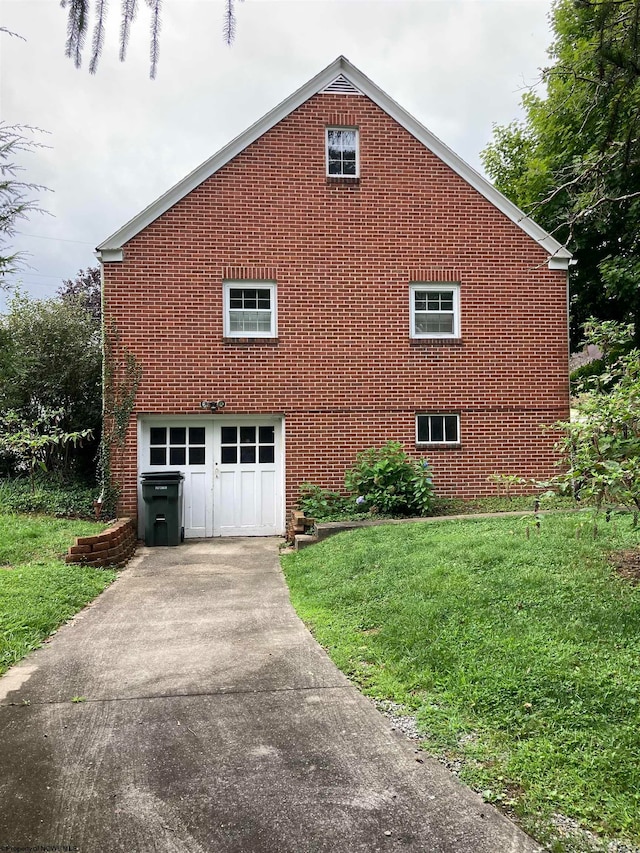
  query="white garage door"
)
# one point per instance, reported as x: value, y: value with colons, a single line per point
x: 232, y: 468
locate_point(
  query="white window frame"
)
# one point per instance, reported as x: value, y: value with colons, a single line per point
x: 247, y: 284
x: 435, y: 287
x: 445, y: 442
x: 326, y: 146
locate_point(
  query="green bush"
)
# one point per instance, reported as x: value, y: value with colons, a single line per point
x: 49, y: 496
x: 387, y: 481
x: 323, y: 504
x: 582, y: 374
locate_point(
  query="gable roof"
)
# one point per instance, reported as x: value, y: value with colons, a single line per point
x: 340, y: 75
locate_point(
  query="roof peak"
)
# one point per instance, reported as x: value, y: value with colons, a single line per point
x: 340, y: 77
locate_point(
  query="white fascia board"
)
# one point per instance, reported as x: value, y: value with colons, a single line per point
x: 340, y: 66
x: 559, y: 262
x: 108, y: 256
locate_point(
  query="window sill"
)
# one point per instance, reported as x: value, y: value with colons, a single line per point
x: 342, y: 181
x: 438, y: 342
x: 271, y: 342
x: 439, y: 446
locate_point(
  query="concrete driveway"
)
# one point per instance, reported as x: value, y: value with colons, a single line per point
x: 212, y: 722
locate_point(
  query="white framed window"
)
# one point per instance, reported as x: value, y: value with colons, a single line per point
x: 249, y: 309
x: 438, y: 429
x: 435, y: 310
x: 343, y: 158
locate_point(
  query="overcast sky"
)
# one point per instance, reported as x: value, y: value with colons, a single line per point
x: 117, y: 140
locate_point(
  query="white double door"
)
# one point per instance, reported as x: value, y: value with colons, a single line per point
x: 232, y: 468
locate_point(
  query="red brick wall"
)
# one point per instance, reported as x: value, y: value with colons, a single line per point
x: 113, y: 547
x: 344, y: 370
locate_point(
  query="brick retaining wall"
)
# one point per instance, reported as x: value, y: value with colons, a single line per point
x: 113, y: 547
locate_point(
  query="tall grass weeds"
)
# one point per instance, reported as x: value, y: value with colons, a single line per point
x: 518, y: 653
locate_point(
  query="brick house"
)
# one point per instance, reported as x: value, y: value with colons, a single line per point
x: 337, y: 277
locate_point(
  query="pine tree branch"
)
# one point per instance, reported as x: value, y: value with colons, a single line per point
x: 155, y: 36
x: 129, y: 11
x: 98, y: 35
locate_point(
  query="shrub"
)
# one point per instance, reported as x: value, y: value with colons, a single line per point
x: 49, y: 496
x: 602, y: 446
x: 323, y: 504
x: 388, y: 482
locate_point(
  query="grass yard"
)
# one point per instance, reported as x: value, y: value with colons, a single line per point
x: 38, y: 591
x: 519, y: 657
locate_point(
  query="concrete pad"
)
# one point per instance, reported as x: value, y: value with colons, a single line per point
x: 213, y: 722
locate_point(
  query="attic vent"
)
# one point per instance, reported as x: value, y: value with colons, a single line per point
x: 341, y: 86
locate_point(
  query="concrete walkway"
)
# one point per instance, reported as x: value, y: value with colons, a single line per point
x: 212, y: 722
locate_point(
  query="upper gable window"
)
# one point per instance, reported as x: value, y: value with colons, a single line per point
x: 342, y: 152
x: 249, y: 309
x: 435, y: 311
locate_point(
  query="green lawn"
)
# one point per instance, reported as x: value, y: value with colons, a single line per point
x: 520, y: 656
x: 38, y: 591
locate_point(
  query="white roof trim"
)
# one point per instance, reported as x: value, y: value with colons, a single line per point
x: 340, y: 67
x: 108, y: 255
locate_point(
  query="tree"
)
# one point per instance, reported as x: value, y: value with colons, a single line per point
x: 574, y: 162
x: 79, y: 11
x: 86, y: 289
x: 51, y: 362
x: 38, y: 444
x: 16, y: 195
x: 602, y: 446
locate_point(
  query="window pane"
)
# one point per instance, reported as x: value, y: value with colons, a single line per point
x: 451, y: 428
x: 157, y: 456
x: 335, y: 167
x: 247, y: 435
x: 348, y: 140
x: 229, y: 435
x: 434, y: 324
x: 437, y: 427
x: 196, y: 455
x: 177, y: 455
x: 266, y: 453
x: 196, y: 435
x: 248, y: 454
x: 423, y: 428
x: 177, y: 435
x: 349, y: 167
x: 265, y: 435
x: 446, y: 301
x: 250, y: 321
x: 158, y: 435
x: 229, y: 455
x: 420, y: 300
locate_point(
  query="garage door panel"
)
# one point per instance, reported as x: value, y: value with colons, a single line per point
x: 225, y: 506
x: 247, y: 498
x: 248, y: 453
x: 196, y: 508
x: 184, y: 445
x: 267, y: 498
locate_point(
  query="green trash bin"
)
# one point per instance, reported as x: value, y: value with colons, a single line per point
x: 162, y: 495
